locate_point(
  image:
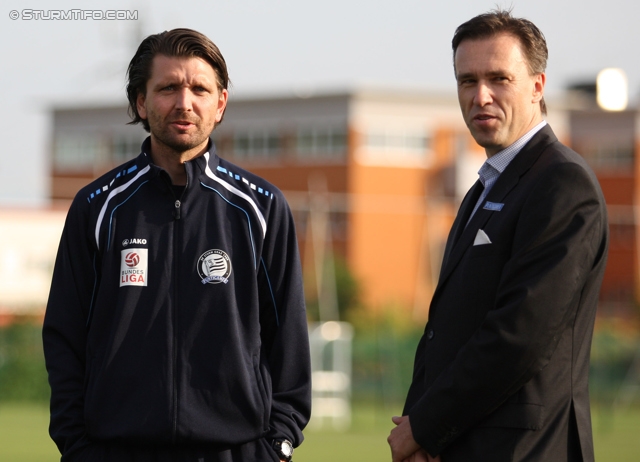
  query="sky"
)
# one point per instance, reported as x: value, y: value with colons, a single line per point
x: 273, y: 46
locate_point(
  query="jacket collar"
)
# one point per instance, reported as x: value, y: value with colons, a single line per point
x: 195, y: 167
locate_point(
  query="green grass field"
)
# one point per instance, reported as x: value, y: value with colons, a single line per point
x: 23, y: 434
x: 24, y: 438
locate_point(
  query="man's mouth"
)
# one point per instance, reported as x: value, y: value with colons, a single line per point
x: 182, y: 124
x: 483, y: 117
x: 485, y: 121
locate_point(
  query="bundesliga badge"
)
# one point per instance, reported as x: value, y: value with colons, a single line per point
x: 214, y: 267
x: 133, y: 267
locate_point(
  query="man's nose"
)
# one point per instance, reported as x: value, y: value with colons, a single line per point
x: 483, y: 95
x: 184, y: 100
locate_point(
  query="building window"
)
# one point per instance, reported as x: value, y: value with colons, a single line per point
x: 395, y: 148
x: 383, y: 140
x: 256, y: 144
x: 316, y: 142
x: 125, y: 148
x: 79, y: 152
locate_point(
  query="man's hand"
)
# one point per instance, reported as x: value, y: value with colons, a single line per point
x: 401, y: 440
x: 421, y: 456
x: 403, y: 447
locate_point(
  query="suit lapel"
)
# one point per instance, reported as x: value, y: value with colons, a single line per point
x: 461, y: 219
x: 505, y: 183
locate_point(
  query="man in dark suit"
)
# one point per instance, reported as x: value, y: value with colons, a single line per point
x: 501, y: 371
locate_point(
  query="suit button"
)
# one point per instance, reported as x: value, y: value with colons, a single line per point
x: 429, y: 334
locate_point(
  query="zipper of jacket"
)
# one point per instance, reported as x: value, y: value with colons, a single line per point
x: 177, y: 216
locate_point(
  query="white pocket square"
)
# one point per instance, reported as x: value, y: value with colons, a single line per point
x: 481, y: 238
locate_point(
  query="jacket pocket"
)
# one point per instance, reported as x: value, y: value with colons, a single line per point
x: 516, y: 415
x: 263, y: 382
x: 483, y: 250
x: 93, y: 369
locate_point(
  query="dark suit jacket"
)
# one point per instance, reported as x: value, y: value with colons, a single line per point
x: 501, y: 371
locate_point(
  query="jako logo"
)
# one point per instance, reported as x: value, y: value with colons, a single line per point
x: 132, y: 259
x: 126, y: 242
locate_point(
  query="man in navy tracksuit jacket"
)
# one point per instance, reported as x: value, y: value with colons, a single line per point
x: 176, y: 328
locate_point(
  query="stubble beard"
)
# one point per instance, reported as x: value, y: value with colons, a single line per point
x: 177, y: 143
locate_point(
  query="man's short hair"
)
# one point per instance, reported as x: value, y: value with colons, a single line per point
x: 534, y: 45
x: 179, y: 43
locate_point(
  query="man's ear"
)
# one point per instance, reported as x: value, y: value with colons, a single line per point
x: 222, y: 104
x: 140, y: 105
x: 538, y: 87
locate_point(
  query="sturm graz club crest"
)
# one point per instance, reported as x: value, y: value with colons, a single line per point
x: 214, y: 267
